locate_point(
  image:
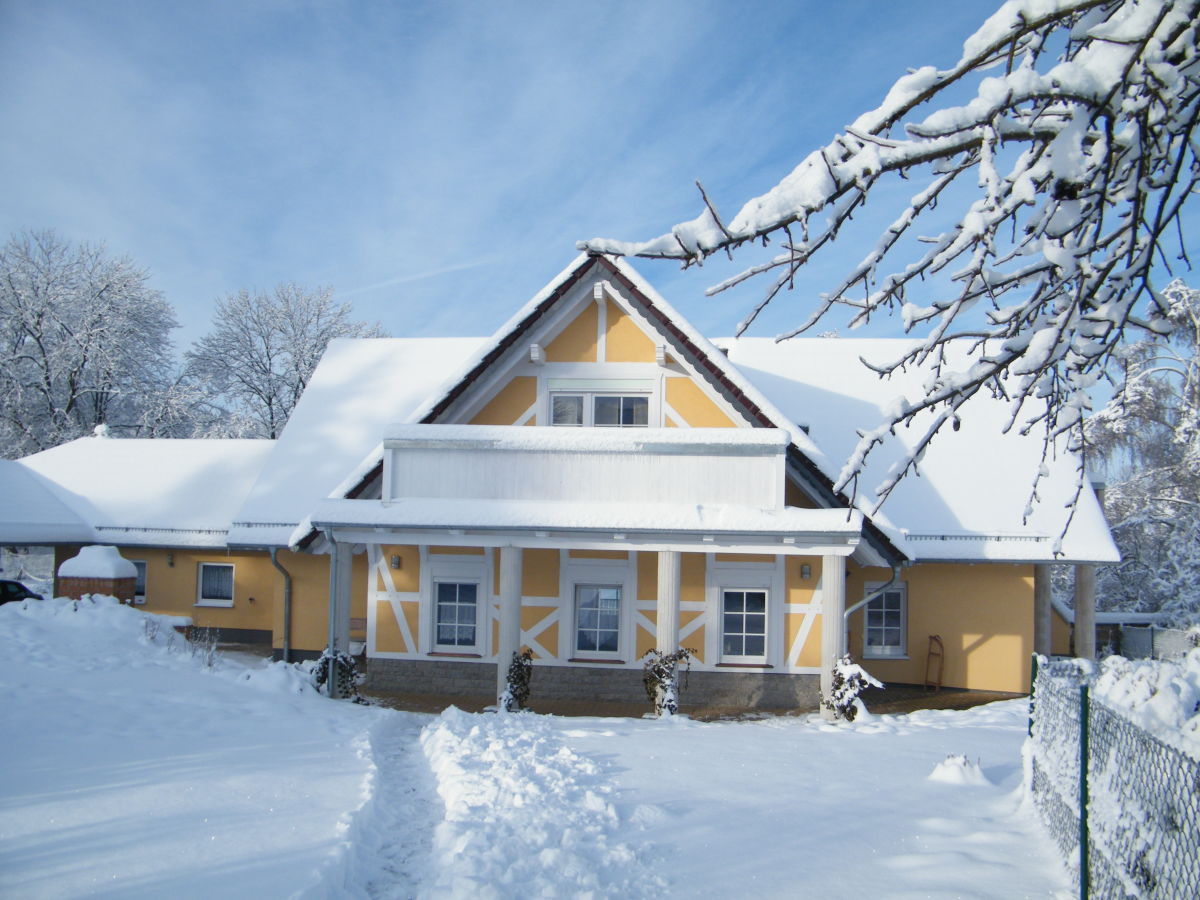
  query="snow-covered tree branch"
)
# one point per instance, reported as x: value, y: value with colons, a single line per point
x: 1072, y: 165
x: 263, y: 348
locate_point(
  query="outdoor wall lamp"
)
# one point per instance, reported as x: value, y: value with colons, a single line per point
x: 171, y: 560
x: 806, y: 571
x: 395, y: 560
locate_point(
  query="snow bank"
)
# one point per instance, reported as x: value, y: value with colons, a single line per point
x: 525, y: 814
x: 1161, y: 696
x: 132, y: 769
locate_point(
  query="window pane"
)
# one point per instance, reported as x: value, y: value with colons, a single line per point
x: 735, y: 601
x: 756, y: 601
x: 216, y: 582
x: 756, y: 623
x: 597, y: 618
x: 566, y: 409
x: 606, y: 411
x: 608, y: 641
x: 732, y: 645
x: 754, y: 646
x: 139, y: 588
x: 635, y: 410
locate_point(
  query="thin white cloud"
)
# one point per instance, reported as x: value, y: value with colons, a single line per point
x: 418, y: 276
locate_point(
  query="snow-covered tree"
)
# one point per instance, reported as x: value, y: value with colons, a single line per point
x: 1150, y: 435
x: 84, y: 341
x: 263, y: 349
x: 1071, y: 166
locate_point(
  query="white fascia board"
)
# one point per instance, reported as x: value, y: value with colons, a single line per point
x: 767, y: 545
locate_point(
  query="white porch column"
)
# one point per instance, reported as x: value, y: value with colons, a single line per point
x: 1041, y: 609
x: 833, y: 608
x: 339, y: 601
x: 667, y: 631
x: 1085, y: 612
x: 510, y: 614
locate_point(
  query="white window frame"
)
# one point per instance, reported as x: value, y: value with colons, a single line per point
x: 589, y: 399
x: 481, y: 615
x: 577, y: 571
x: 622, y: 600
x: 740, y: 575
x: 201, y: 600
x: 888, y: 651
x: 140, y: 599
x: 747, y: 659
x: 460, y: 569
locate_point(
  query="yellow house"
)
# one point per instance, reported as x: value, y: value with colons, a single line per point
x: 596, y: 480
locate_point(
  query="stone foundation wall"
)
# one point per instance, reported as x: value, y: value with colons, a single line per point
x: 740, y: 690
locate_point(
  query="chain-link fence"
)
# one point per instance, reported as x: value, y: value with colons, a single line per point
x: 1139, y: 831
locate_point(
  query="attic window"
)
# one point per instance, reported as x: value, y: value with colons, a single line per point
x: 600, y: 410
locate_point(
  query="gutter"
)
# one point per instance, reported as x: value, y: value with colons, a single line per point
x: 287, y: 605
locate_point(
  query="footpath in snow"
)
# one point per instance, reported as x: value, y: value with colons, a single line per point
x: 130, y: 769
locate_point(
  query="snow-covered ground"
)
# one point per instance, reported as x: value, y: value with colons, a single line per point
x: 130, y: 769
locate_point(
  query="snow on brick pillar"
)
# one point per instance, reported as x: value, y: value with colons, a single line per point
x: 97, y: 570
x: 1041, y: 609
x: 833, y: 610
x: 667, y: 632
x: 510, y: 614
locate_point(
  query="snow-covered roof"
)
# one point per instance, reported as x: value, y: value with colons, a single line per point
x: 358, y: 387
x: 153, y: 492
x: 32, y: 512
x: 967, y: 499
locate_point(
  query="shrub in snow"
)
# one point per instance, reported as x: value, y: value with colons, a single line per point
x: 345, y: 674
x: 849, y: 680
x: 520, y: 673
x: 660, y: 675
x: 203, y: 644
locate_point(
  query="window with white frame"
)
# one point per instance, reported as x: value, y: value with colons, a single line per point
x: 744, y: 625
x: 597, y: 618
x: 886, y: 631
x: 456, y: 615
x: 600, y: 410
x: 216, y: 585
x: 139, y: 588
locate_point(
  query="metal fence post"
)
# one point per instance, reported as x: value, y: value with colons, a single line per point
x: 1033, y: 670
x: 1083, y: 791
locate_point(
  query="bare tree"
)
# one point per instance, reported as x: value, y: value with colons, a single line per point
x: 1076, y: 156
x: 263, y: 349
x: 85, y: 341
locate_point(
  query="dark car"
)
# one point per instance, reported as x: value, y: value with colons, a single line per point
x: 14, y: 590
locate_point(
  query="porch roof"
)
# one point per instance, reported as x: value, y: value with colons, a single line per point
x: 631, y: 525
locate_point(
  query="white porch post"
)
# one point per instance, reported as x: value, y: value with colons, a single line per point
x: 667, y: 631
x: 339, y: 602
x: 833, y: 608
x: 510, y: 614
x: 1041, y: 609
x: 1085, y: 612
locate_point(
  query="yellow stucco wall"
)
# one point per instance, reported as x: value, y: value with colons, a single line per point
x: 577, y: 341
x: 172, y: 580
x: 697, y: 410
x: 624, y: 341
x: 310, y: 599
x: 647, y: 576
x: 510, y: 403
x: 802, y: 590
x: 1060, y: 634
x: 983, y: 613
x: 539, y: 573
x: 407, y: 578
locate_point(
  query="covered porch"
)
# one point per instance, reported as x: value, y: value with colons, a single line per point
x: 591, y: 548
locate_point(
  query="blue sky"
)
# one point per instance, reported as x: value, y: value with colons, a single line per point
x: 433, y: 162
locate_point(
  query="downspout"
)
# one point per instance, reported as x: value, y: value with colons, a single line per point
x: 850, y: 610
x: 287, y: 605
